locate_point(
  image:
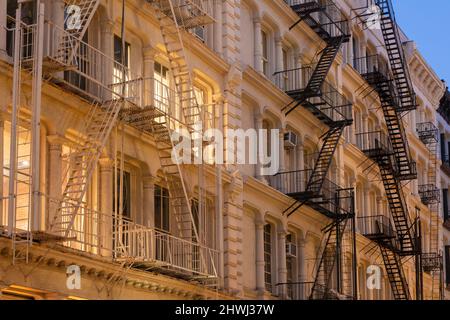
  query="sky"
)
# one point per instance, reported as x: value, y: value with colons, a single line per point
x: 428, y: 24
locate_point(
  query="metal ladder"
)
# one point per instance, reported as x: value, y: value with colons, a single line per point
x: 21, y: 228
x: 432, y: 260
x: 171, y: 23
x: 399, y: 67
x: 101, y: 119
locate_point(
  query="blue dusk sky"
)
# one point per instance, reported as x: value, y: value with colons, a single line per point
x: 428, y: 24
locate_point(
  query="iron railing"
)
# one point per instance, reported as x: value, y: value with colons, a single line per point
x: 331, y: 197
x: 188, y: 13
x: 432, y: 262
x: 376, y: 227
x: 428, y: 132
x: 429, y: 194
x: 374, y: 144
x: 328, y: 101
x: 332, y: 21
x: 150, y: 246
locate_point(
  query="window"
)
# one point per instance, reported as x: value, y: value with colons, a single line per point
x: 268, y: 257
x: 447, y: 265
x: 204, y: 219
x: 445, y: 204
x: 291, y: 265
x: 355, y: 44
x: 75, y: 78
x: 122, y: 59
x: 285, y: 67
x: 200, y: 33
x: 28, y: 16
x: 118, y: 55
x: 23, y: 162
x: 265, y: 53
x: 162, y: 216
x: 161, y: 87
x: 126, y: 198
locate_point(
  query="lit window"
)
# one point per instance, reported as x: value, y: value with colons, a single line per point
x: 161, y: 87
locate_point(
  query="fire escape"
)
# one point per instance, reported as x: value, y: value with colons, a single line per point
x: 432, y: 260
x: 131, y: 100
x: 391, y: 152
x: 307, y: 86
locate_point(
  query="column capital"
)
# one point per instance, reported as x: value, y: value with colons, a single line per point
x: 149, y: 181
x: 218, y: 98
x: 106, y: 164
x: 149, y: 52
x: 107, y: 26
x: 55, y: 141
x: 260, y: 219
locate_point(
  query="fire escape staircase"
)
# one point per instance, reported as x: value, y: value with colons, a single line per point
x: 400, y: 241
x: 399, y: 67
x: 396, y: 93
x: 318, y: 96
x: 432, y: 261
x: 174, y: 17
x: 380, y: 230
x: 329, y: 254
x: 100, y: 121
x: 333, y: 32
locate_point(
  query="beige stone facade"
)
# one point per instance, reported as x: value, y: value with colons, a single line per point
x: 243, y: 230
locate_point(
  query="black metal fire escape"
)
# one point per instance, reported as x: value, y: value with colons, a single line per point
x: 432, y: 258
x: 317, y: 95
x: 392, y: 153
x: 307, y: 87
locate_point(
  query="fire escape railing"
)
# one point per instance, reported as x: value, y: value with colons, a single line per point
x: 332, y: 199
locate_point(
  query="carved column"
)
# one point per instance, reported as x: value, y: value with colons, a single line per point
x: 282, y: 266
x: 107, y: 45
x: 258, y: 63
x: 259, y: 253
x: 55, y: 176
x: 149, y: 72
x: 302, y: 266
x: 106, y: 206
x: 148, y: 210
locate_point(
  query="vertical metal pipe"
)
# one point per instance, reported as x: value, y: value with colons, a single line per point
x: 354, y: 252
x: 219, y: 208
x: 14, y: 113
x: 338, y: 243
x: 36, y: 121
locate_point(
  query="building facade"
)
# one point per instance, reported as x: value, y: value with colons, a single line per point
x: 102, y: 177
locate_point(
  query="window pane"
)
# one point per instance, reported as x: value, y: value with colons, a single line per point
x: 268, y: 256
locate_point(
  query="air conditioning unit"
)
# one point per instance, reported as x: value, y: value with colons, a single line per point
x: 290, y: 140
x: 291, y: 250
